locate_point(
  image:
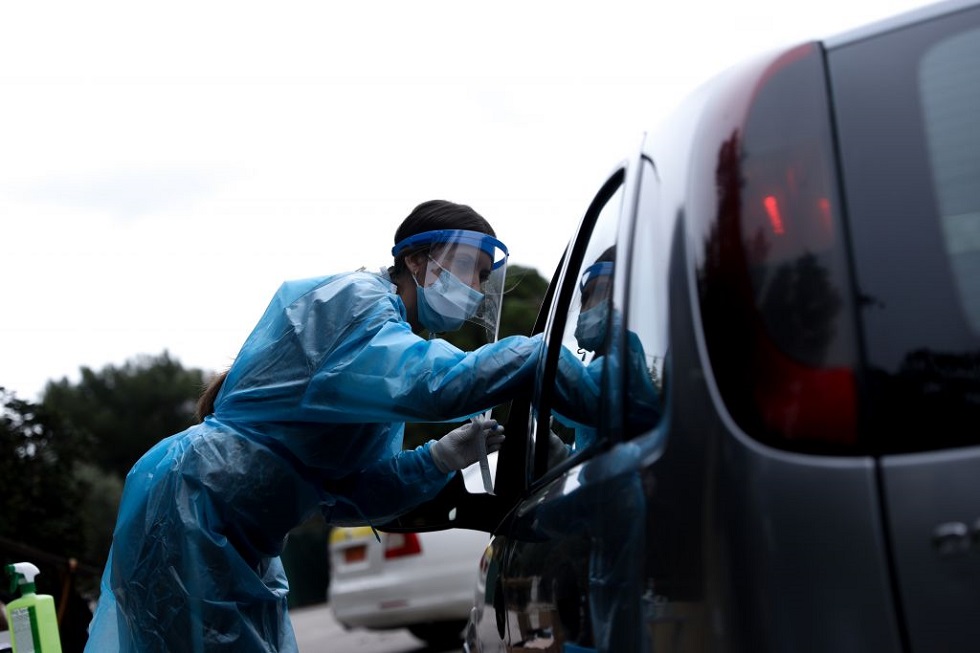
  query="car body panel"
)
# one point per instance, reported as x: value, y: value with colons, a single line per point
x: 920, y: 327
x: 934, y: 524
x: 715, y: 528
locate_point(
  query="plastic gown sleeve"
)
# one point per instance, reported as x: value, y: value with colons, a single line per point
x: 343, y: 352
x: 377, y: 494
x: 577, y: 389
x: 398, y: 376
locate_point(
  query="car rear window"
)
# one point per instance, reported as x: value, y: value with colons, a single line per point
x: 949, y: 85
x: 907, y: 109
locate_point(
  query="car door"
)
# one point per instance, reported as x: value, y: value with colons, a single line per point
x: 563, y: 571
x: 916, y: 247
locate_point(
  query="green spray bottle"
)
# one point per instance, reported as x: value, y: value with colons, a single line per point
x: 32, y: 618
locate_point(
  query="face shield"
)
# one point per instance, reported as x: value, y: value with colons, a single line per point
x: 463, y: 279
x: 596, y: 288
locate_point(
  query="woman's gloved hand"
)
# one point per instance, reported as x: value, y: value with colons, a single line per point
x: 464, y: 446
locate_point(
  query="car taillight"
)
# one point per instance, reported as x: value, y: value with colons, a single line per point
x: 773, y: 279
x: 398, y: 545
x: 355, y: 554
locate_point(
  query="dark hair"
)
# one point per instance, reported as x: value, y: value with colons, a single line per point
x: 608, y: 255
x: 433, y: 215
x: 205, y: 403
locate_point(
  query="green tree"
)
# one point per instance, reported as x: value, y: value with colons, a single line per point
x: 129, y: 408
x: 524, y: 293
x: 40, y: 494
x: 118, y: 412
x: 101, y: 493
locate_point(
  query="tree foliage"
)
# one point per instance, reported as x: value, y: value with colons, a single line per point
x: 525, y: 291
x: 128, y: 409
x: 40, y: 495
x: 100, y: 503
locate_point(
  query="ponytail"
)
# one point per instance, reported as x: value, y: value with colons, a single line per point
x: 205, y: 403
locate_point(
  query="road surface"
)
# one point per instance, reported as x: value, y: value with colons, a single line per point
x: 318, y: 632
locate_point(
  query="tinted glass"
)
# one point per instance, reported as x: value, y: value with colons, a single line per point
x: 584, y: 335
x: 908, y: 111
x: 773, y: 279
x: 646, y: 328
x: 949, y: 85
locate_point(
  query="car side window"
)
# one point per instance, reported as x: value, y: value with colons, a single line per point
x: 646, y: 342
x: 581, y: 328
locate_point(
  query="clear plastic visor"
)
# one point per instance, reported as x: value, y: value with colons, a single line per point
x: 475, y: 260
x: 596, y: 284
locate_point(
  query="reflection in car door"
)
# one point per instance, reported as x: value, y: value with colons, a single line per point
x: 557, y: 585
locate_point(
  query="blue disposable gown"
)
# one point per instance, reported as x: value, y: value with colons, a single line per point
x: 311, y: 416
x: 579, y: 388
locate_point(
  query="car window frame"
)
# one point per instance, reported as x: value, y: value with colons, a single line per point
x: 646, y: 206
x: 625, y: 177
x: 540, y: 409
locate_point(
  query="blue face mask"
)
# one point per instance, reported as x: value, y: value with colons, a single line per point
x: 590, y: 331
x: 447, y: 303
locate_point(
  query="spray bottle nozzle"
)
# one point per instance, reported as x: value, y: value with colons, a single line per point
x: 22, y: 575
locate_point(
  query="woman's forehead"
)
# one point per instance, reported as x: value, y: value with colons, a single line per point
x: 459, y: 253
x: 602, y: 282
x: 597, y: 287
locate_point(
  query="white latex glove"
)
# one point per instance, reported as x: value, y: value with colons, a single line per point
x: 461, y: 447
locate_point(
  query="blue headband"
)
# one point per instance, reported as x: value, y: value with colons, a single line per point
x: 602, y: 268
x: 485, y: 242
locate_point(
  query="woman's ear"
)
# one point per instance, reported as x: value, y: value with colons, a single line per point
x: 415, y: 263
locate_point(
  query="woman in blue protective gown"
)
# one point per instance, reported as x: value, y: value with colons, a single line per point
x: 310, y: 416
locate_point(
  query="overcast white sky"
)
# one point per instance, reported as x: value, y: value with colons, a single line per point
x: 163, y: 167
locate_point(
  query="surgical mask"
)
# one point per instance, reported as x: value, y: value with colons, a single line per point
x: 447, y: 303
x: 590, y: 331
x: 474, y: 255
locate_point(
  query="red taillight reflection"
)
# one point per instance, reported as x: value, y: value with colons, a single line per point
x: 826, y: 217
x: 398, y: 545
x: 805, y: 403
x: 772, y: 210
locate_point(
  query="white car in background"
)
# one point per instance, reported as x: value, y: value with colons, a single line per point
x: 420, y: 581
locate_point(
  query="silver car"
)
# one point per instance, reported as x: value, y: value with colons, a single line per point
x: 422, y: 582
